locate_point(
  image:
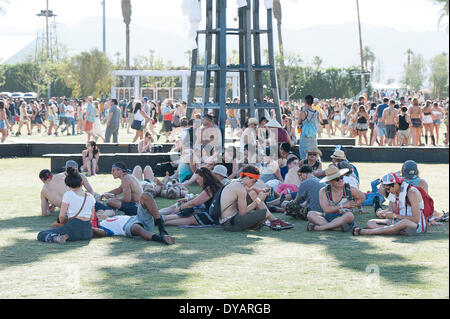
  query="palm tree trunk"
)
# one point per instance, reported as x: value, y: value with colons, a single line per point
x: 127, y: 63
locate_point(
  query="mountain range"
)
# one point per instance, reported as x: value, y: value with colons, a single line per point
x: 336, y: 45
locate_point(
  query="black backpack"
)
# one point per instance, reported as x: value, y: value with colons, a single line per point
x: 215, y: 211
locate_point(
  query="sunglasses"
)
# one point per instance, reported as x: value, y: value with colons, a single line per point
x: 388, y: 187
x: 338, y: 179
x: 312, y: 154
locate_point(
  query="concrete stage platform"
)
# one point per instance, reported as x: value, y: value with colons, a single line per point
x: 107, y: 160
x: 39, y: 149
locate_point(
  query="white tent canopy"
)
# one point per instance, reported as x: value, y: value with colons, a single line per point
x: 392, y: 86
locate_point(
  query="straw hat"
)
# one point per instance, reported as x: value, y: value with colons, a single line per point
x: 339, y: 154
x: 314, y: 150
x: 333, y: 172
x: 273, y: 123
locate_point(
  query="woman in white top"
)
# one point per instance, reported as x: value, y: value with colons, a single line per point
x: 78, y: 207
x: 141, y: 116
x: 98, y: 131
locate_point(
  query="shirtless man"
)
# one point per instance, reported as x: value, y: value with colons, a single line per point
x: 129, y: 187
x: 243, y: 206
x: 54, y: 188
x: 211, y: 140
x: 390, y: 119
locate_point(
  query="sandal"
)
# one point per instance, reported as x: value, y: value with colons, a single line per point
x: 356, y: 231
x: 311, y: 227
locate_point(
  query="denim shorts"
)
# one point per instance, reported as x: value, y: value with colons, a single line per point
x: 130, y: 209
x: 143, y: 218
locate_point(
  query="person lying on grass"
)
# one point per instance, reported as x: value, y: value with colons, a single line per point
x: 337, y: 201
x: 54, y: 188
x: 166, y: 188
x: 404, y: 215
x: 141, y: 225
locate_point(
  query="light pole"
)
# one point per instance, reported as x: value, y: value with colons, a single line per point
x: 104, y: 26
x: 363, y: 78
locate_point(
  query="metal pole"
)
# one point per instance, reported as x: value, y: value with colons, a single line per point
x: 363, y: 78
x: 104, y: 26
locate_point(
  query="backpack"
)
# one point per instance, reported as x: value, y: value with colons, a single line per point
x: 428, y: 202
x: 215, y: 210
x: 347, y: 192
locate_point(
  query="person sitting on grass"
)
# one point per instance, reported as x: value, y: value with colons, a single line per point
x: 170, y: 189
x: 404, y: 215
x: 184, y: 212
x: 337, y: 201
x: 54, y: 188
x: 91, y: 156
x: 141, y: 225
x: 129, y: 187
x: 78, y: 207
x: 242, y: 205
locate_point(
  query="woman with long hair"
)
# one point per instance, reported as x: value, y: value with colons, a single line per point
x: 91, y: 156
x: 4, y: 124
x: 290, y: 129
x: 24, y: 119
x: 139, y: 116
x: 416, y: 115
x: 437, y: 113
x: 77, y: 210
x: 183, y: 213
x: 428, y: 122
x: 361, y: 124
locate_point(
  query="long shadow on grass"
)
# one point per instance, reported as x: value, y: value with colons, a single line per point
x: 160, y: 270
x: 25, y: 251
x: 359, y: 255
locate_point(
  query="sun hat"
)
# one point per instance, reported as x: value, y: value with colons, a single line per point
x: 409, y: 170
x: 339, y: 154
x: 253, y: 120
x: 333, y: 172
x: 274, y: 124
x: 314, y: 150
x: 220, y: 170
x: 71, y: 163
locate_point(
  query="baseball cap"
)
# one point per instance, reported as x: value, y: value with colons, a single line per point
x: 390, y: 178
x: 71, y: 163
x: 145, y: 99
x: 316, y: 100
x: 220, y: 170
x: 409, y: 169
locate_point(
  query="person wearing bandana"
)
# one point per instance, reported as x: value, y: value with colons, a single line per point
x: 243, y: 206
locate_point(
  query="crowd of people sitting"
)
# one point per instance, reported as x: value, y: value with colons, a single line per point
x: 243, y: 187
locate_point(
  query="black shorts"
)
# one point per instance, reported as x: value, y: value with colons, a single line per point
x: 167, y: 126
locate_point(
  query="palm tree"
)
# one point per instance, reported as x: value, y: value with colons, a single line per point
x: 409, y: 53
x: 126, y: 12
x: 444, y: 10
x: 277, y: 13
x: 2, y: 7
x: 317, y: 62
x: 369, y: 56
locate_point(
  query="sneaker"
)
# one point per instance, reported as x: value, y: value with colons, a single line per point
x: 376, y: 205
x: 278, y: 224
x: 55, y: 238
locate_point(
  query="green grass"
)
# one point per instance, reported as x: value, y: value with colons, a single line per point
x: 211, y: 263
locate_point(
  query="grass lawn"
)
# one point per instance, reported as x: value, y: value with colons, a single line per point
x: 211, y: 263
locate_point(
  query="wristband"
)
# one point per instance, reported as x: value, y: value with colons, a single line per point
x: 258, y: 200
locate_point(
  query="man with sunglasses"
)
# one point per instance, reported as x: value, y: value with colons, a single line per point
x: 404, y: 215
x: 337, y: 201
x: 243, y: 207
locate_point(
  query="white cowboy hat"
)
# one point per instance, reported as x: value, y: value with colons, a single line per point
x: 273, y: 123
x: 333, y: 172
x: 253, y: 120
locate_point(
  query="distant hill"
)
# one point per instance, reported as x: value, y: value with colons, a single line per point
x: 337, y: 45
